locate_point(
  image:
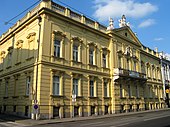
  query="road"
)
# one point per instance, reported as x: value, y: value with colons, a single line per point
x: 147, y: 119
x: 154, y: 119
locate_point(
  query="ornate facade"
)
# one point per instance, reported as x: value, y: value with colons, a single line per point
x: 54, y: 54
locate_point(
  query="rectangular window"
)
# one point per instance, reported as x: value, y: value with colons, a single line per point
x: 121, y: 91
x: 128, y: 68
x: 91, y: 56
x: 56, y: 85
x: 134, y: 66
x: 91, y: 88
x: 6, y: 87
x: 28, y: 83
x: 9, y: 58
x: 106, y: 89
x: 104, y: 60
x: 137, y: 91
x: 75, y: 86
x: 75, y: 53
x: 129, y: 91
x: 150, y: 91
x: 56, y: 48
x: 15, y: 87
x: 120, y: 62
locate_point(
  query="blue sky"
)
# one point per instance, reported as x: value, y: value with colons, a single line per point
x: 148, y: 18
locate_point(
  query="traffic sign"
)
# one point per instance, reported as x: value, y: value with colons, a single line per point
x: 35, y: 108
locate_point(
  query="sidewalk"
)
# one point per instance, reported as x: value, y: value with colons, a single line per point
x: 31, y: 122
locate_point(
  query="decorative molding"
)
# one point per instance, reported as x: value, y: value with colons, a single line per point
x: 75, y: 38
x: 91, y: 43
x: 59, y: 33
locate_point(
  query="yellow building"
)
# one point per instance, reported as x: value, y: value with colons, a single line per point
x: 53, y: 54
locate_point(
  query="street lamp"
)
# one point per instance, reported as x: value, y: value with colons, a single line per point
x: 73, y: 101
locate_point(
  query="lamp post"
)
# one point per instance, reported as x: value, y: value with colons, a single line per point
x: 73, y: 101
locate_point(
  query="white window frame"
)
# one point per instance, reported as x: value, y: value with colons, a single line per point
x: 56, y: 85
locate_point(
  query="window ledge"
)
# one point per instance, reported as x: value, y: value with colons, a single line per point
x: 17, y: 63
x: 107, y: 97
x: 79, y: 96
x: 92, y: 65
x: 57, y: 96
x: 122, y: 97
x: 58, y: 58
x: 15, y: 96
x: 91, y: 97
x: 26, y: 96
x: 5, y: 97
x: 8, y: 67
x: 29, y: 58
x: 77, y: 62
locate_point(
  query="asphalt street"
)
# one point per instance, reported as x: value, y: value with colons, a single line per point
x: 146, y: 119
x: 154, y: 119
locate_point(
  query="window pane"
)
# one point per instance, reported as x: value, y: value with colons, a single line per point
x: 56, y: 85
x: 91, y: 56
x: 28, y: 85
x: 57, y: 48
x: 91, y: 88
x: 104, y: 60
x: 75, y: 53
x: 105, y: 89
x: 75, y: 86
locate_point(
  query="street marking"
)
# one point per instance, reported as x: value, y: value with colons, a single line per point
x: 155, y: 118
x: 11, y: 124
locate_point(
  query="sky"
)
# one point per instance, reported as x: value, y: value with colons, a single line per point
x: 148, y: 18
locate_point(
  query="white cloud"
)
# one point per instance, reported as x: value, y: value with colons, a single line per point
x: 116, y: 8
x: 147, y: 23
x: 158, y: 39
x: 167, y: 56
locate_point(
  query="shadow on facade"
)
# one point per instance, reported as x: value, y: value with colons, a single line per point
x: 17, y: 72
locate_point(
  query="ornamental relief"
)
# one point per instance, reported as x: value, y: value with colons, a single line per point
x: 2, y: 54
x: 31, y: 37
x: 19, y: 44
x: 76, y: 39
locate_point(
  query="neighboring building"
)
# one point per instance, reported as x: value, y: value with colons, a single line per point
x: 54, y: 53
x: 165, y: 63
x: 150, y: 63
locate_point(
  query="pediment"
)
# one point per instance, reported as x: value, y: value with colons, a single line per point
x: 127, y: 33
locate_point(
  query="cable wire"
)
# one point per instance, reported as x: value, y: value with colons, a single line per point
x: 8, y: 22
